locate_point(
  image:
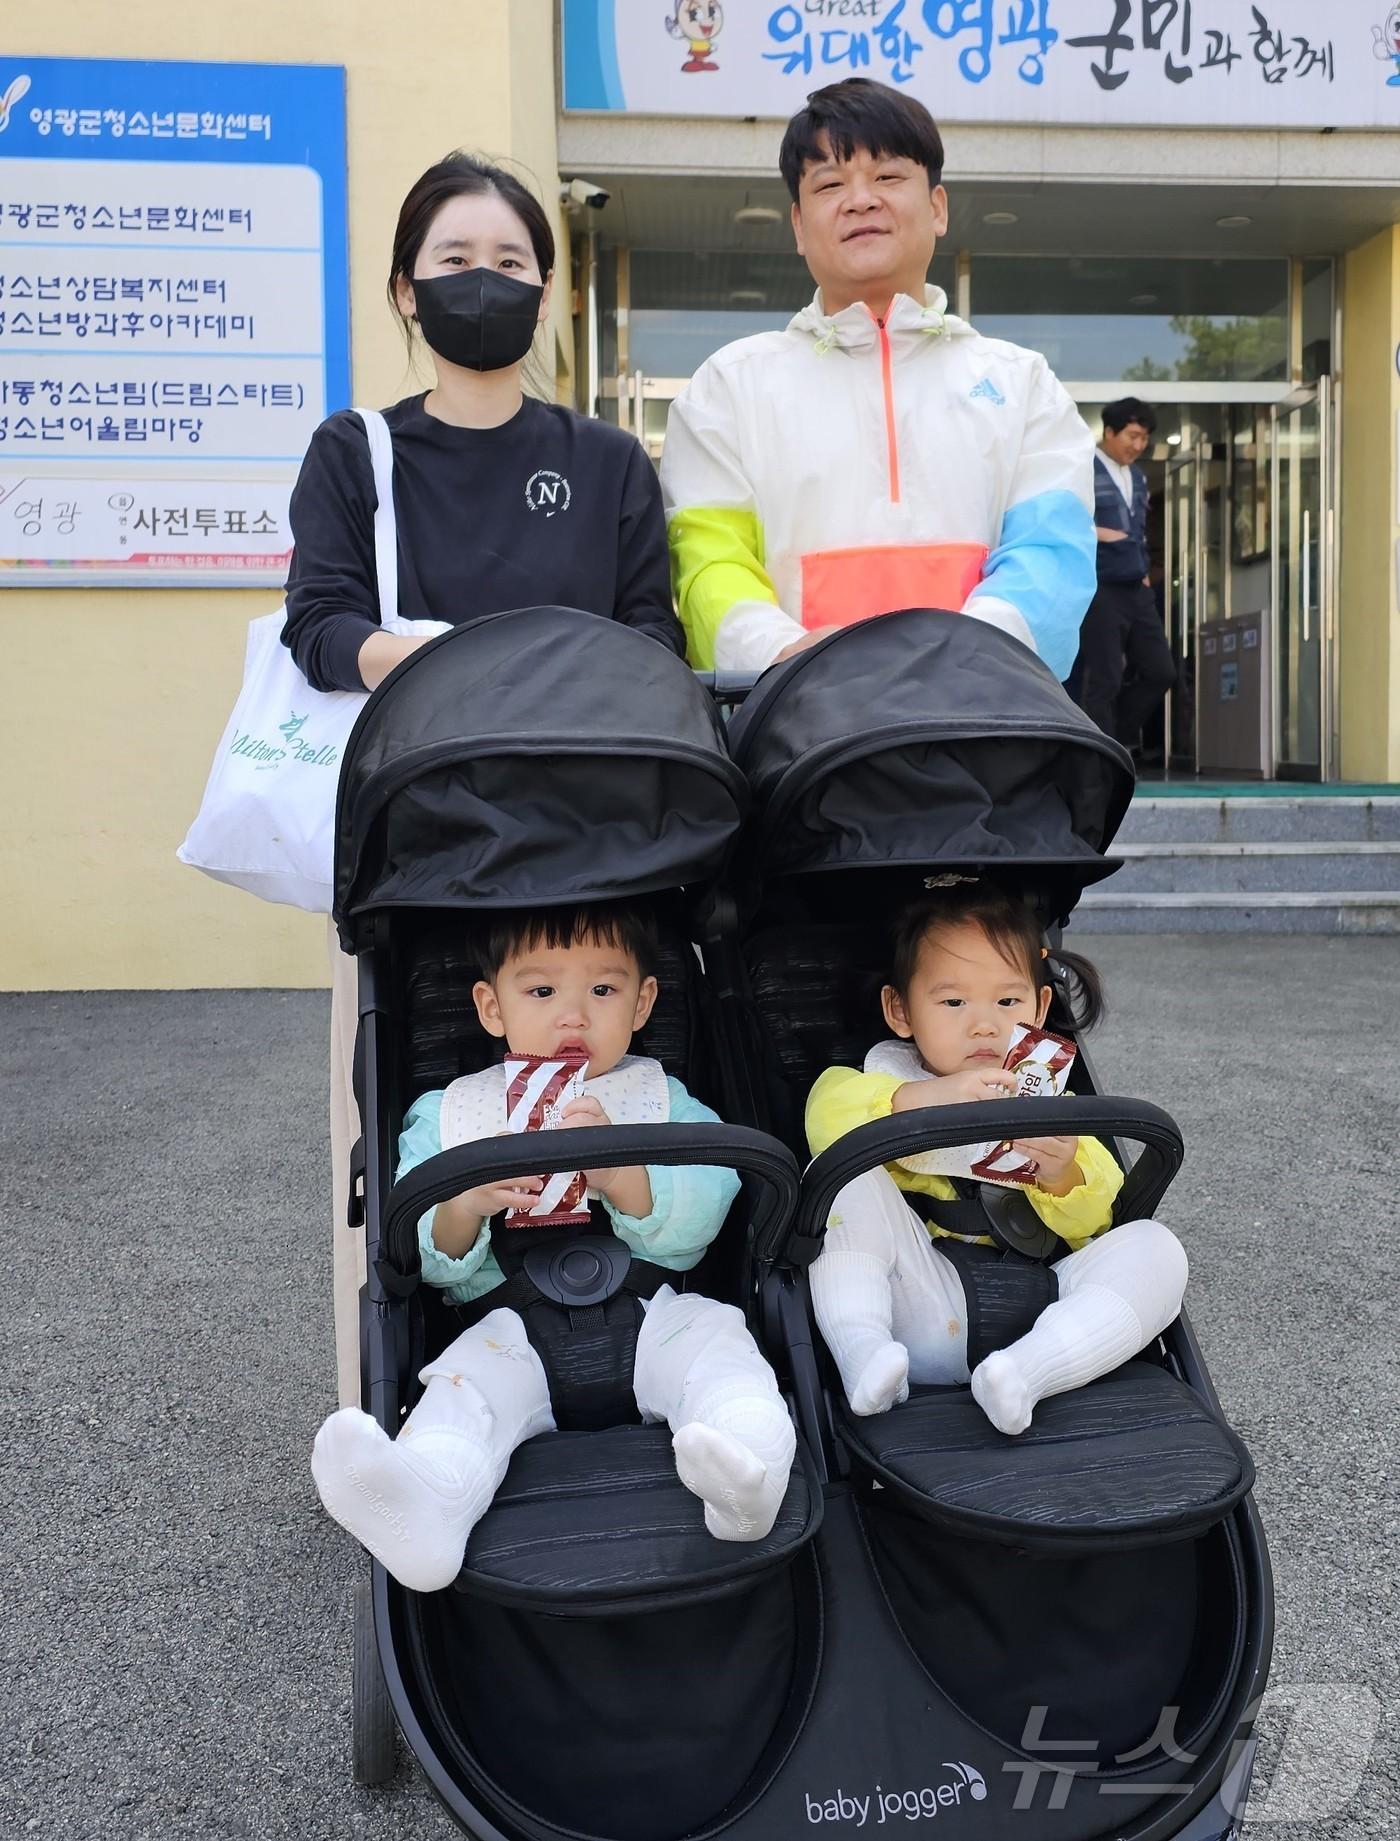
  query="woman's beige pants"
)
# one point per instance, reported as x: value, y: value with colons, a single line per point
x: 347, y: 1244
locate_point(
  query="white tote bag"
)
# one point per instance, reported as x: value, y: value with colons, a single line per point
x: 267, y: 819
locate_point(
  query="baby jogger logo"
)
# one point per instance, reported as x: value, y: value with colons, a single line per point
x: 268, y: 755
x: 882, y: 1805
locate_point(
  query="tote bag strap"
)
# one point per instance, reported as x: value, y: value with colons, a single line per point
x: 386, y: 541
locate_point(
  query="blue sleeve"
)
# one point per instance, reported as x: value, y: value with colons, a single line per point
x: 688, y: 1202
x: 476, y: 1272
x: 1042, y: 566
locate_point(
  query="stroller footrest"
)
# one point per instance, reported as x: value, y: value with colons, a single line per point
x: 1134, y: 1459
x: 599, y: 1524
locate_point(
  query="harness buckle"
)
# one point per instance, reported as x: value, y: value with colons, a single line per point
x: 586, y: 1269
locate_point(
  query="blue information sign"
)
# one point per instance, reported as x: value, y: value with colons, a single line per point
x: 174, y: 312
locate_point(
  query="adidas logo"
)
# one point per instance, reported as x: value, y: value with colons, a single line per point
x: 988, y: 390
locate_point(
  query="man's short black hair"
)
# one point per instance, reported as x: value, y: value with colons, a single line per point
x: 1128, y: 409
x: 631, y: 929
x: 863, y: 114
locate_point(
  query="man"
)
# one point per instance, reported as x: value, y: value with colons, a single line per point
x: 877, y: 453
x: 1122, y: 633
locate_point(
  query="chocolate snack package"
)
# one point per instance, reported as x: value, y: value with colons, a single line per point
x: 538, y: 1088
x: 1041, y: 1063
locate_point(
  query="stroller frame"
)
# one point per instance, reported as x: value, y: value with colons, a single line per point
x: 861, y: 1690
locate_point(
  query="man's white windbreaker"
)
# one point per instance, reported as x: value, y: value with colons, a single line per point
x: 846, y: 467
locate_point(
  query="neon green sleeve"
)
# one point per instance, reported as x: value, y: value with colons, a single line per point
x: 1088, y: 1209
x: 842, y: 1099
x: 712, y: 513
x: 716, y: 562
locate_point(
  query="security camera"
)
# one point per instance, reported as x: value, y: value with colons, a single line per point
x: 581, y: 193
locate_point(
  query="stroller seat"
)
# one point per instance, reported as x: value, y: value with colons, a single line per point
x: 1133, y: 1459
x: 592, y: 1522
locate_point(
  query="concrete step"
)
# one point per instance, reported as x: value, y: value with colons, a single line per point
x: 1283, y: 911
x: 1261, y: 819
x: 1256, y: 868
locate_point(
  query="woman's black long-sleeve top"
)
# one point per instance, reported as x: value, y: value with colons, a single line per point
x: 550, y: 508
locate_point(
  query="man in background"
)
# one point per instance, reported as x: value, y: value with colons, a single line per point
x: 1125, y: 666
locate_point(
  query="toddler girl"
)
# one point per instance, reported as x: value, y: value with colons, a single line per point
x: 968, y: 966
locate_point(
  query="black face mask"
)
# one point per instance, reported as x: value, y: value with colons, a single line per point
x: 478, y: 318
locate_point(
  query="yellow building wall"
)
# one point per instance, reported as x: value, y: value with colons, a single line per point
x: 1369, y: 620
x: 114, y: 699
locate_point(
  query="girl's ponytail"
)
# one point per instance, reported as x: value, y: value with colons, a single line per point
x: 1079, y: 988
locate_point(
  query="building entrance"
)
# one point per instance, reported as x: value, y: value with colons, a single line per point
x: 1244, y: 514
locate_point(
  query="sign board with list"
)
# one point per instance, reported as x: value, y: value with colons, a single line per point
x: 174, y: 317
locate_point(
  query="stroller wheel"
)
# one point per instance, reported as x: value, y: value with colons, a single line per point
x: 373, y: 1731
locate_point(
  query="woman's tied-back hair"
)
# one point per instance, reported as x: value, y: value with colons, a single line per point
x: 456, y: 176
x: 1014, y: 930
x: 632, y: 930
x: 860, y: 113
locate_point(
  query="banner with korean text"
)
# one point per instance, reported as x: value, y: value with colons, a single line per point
x: 174, y: 313
x: 1173, y: 63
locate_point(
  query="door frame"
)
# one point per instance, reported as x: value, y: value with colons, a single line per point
x: 1319, y: 395
x: 1184, y: 618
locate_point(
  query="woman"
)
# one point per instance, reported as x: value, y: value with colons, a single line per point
x: 501, y: 501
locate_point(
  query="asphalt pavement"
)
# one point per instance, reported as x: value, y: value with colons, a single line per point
x: 176, y: 1633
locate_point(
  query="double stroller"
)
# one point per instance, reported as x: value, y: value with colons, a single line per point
x: 1063, y: 1635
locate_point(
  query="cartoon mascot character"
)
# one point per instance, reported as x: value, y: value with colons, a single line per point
x: 1386, y: 44
x: 698, y: 22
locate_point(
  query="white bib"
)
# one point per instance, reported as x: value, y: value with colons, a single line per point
x: 632, y: 1093
x: 900, y: 1058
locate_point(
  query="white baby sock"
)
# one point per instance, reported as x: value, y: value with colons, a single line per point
x: 736, y: 1455
x: 414, y: 1500
x: 851, y: 1298
x: 1117, y: 1293
x: 700, y: 1370
x: 883, y: 1382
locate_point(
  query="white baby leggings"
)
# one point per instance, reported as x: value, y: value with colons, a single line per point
x: 414, y: 1500
x: 891, y: 1308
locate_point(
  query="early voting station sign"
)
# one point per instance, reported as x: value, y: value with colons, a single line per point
x: 174, y: 313
x: 1168, y: 63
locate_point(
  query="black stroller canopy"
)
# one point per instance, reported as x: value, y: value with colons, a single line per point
x: 536, y: 758
x: 925, y: 737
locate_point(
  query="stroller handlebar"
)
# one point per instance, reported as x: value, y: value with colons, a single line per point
x: 495, y: 1160
x: 937, y: 1128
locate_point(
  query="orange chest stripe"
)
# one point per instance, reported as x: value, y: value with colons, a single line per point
x: 891, y: 438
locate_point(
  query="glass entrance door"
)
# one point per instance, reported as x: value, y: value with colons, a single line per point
x: 643, y: 404
x: 1301, y: 571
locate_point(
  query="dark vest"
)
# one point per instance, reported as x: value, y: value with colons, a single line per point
x: 1121, y: 562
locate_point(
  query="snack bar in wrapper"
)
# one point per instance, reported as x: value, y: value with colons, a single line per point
x: 1041, y: 1063
x: 538, y: 1087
